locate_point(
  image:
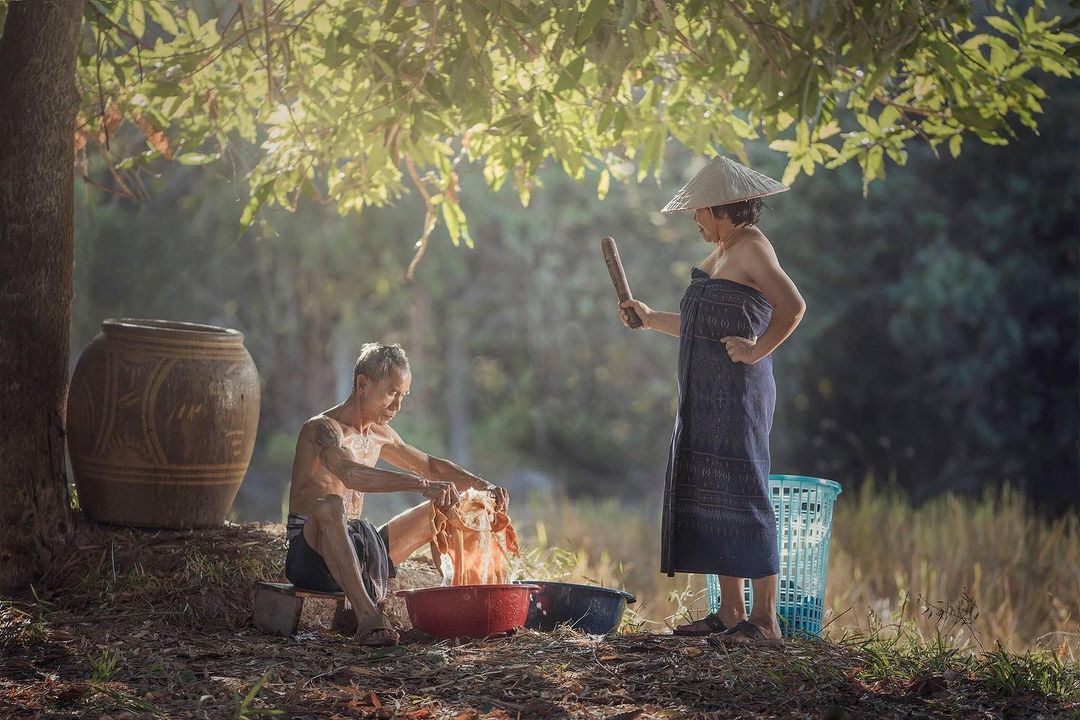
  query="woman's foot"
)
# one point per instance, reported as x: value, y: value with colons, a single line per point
x: 711, y: 624
x: 753, y: 632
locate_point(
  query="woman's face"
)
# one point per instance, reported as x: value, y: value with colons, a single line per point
x: 707, y: 225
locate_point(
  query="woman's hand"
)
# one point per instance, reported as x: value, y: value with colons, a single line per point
x: 643, y: 312
x: 740, y: 349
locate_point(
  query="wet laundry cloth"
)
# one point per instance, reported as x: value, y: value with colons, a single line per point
x: 717, y: 517
x: 472, y: 543
x: 307, y: 569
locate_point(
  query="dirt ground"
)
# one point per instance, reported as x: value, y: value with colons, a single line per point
x: 138, y: 624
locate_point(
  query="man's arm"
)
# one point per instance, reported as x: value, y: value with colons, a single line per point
x: 400, y: 453
x: 327, y: 436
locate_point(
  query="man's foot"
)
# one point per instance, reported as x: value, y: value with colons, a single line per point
x: 708, y: 625
x: 375, y: 630
x: 750, y: 634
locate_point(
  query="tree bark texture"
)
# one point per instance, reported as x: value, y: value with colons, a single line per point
x: 38, y: 102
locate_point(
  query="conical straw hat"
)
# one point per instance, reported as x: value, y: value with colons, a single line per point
x: 722, y: 181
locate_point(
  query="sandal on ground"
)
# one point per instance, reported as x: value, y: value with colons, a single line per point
x: 712, y: 620
x: 746, y: 633
x: 376, y: 631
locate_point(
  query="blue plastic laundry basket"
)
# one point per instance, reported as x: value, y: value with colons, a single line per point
x: 803, y: 507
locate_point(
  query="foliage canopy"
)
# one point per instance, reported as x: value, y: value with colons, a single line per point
x: 349, y: 101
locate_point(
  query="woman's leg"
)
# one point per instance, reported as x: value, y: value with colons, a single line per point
x: 763, y: 613
x: 732, y: 608
x: 732, y: 602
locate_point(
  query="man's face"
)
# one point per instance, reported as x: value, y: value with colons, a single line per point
x: 380, y: 401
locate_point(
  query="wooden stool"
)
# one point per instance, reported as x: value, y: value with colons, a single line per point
x: 278, y: 607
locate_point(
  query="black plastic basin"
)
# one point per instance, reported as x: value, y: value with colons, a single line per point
x: 595, y: 610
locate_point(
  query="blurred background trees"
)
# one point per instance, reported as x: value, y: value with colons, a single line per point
x: 939, y: 351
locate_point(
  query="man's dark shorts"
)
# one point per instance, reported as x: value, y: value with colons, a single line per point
x: 306, y: 568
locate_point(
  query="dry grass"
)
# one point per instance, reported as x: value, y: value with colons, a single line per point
x: 142, y: 624
x: 1021, y: 572
x: 891, y: 563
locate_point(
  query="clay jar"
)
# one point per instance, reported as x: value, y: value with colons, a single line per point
x: 161, y: 422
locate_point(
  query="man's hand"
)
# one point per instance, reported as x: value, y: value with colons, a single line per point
x: 740, y: 349
x: 442, y: 493
x: 502, y: 497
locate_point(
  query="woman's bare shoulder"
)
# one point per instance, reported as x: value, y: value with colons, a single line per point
x: 753, y: 242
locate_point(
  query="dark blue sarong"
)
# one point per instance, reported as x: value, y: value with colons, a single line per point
x: 717, y: 517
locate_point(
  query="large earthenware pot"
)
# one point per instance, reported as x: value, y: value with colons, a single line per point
x: 161, y: 421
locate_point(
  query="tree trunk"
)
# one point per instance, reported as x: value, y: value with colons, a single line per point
x: 38, y: 103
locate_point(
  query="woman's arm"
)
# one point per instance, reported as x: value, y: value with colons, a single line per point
x: 758, y: 259
x: 665, y: 322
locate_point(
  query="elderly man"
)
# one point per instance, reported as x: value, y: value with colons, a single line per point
x: 330, y: 547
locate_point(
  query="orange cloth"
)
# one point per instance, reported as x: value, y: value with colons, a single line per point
x: 477, y: 539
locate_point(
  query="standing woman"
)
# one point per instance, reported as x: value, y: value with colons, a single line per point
x: 739, y: 307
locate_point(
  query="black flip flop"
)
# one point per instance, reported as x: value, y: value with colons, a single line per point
x: 753, y: 634
x: 716, y: 625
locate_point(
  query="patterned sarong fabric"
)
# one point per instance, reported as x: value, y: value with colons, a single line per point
x: 717, y: 517
x: 376, y: 569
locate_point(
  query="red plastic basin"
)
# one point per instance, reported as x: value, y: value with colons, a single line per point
x: 470, y: 611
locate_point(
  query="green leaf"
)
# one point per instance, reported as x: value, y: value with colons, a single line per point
x: 516, y: 13
x: 954, y: 144
x: 435, y: 89
x: 791, y: 171
x: 258, y: 197
x: 628, y: 14
x: 606, y: 116
x: 888, y: 117
x: 197, y: 158
x: 390, y: 9
x: 1003, y: 26
x: 593, y: 13
x: 163, y: 16
x: 137, y: 18
x: 665, y: 15
x: 570, y: 75
x: 451, y: 213
x: 620, y: 121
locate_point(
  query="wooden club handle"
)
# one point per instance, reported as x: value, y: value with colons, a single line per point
x: 618, y: 277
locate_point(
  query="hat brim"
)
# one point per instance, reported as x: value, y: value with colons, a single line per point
x: 671, y: 209
x: 722, y: 181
